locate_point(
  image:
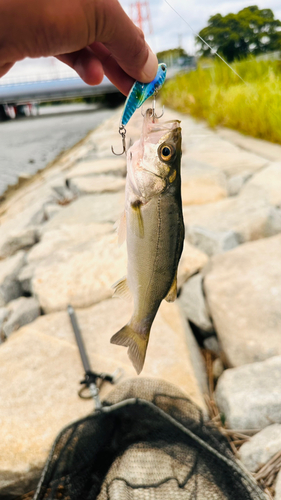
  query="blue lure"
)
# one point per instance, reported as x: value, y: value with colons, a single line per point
x: 140, y: 92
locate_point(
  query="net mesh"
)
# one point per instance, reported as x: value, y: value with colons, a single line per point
x: 148, y: 443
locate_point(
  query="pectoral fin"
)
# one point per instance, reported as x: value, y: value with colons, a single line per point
x: 137, y: 220
x: 121, y: 289
x: 172, y: 294
x: 137, y: 345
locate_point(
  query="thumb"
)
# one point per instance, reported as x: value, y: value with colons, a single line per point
x: 126, y: 43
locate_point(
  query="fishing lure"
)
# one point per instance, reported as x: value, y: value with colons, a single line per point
x: 138, y: 94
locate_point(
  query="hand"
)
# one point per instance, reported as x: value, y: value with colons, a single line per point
x: 94, y: 37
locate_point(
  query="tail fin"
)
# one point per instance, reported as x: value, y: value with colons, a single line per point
x: 136, y: 342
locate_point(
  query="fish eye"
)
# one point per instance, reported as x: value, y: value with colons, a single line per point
x: 166, y: 152
x: 163, y: 67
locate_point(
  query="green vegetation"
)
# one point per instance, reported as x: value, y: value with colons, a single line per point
x: 217, y: 95
x: 235, y: 36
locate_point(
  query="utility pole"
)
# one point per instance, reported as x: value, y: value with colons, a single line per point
x: 140, y: 15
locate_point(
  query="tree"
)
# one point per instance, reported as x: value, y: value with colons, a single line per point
x: 235, y: 36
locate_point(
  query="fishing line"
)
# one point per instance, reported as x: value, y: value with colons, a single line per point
x: 206, y: 43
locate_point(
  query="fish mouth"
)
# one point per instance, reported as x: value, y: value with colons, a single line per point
x: 154, y: 130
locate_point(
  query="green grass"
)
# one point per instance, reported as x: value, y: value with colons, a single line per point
x: 217, y: 95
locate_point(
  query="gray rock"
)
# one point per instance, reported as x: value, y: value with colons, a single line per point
x: 23, y: 310
x: 20, y: 230
x: 212, y: 242
x: 212, y: 344
x: 64, y: 194
x: 9, y: 285
x: 193, y: 303
x: 111, y: 165
x: 41, y: 367
x: 4, y: 314
x: 249, y: 217
x: 81, y: 274
x: 269, y: 181
x: 89, y: 209
x: 201, y: 183
x: 96, y: 184
x: 25, y: 278
x: 217, y: 368
x: 235, y: 183
x: 191, y: 262
x: 67, y: 237
x: 243, y: 291
x: 51, y: 209
x: 261, y: 447
x: 19, y: 239
x: 250, y: 396
x: 224, y: 156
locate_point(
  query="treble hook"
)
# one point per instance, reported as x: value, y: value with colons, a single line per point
x: 154, y: 115
x: 122, y: 132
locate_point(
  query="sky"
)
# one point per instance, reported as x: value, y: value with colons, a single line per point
x: 169, y: 30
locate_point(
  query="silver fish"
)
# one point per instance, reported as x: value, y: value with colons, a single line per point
x: 155, y: 230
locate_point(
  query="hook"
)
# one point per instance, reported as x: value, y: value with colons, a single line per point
x: 122, y: 132
x: 154, y: 115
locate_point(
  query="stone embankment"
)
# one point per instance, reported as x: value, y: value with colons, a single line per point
x: 58, y: 246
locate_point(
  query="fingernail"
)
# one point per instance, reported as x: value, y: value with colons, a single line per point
x: 150, y: 68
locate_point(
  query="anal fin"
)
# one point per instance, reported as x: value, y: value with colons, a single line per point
x: 121, y: 289
x: 172, y: 294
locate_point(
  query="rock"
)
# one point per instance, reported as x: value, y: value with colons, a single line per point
x: 96, y: 184
x: 212, y: 344
x: 192, y: 261
x: 38, y: 399
x: 212, y: 242
x: 193, y: 304
x: 23, y: 310
x: 169, y: 351
x: 81, y: 275
x: 113, y: 165
x: 235, y: 183
x: 51, y: 210
x: 249, y: 217
x: 261, y: 447
x: 4, y: 314
x: 243, y: 291
x: 269, y: 181
x: 42, y: 359
x: 9, y: 285
x: 25, y: 278
x: 20, y: 231
x: 17, y: 240
x: 250, y: 396
x: 201, y: 183
x: 64, y: 194
x: 89, y: 209
x: 217, y: 368
x: 67, y: 236
x: 224, y: 156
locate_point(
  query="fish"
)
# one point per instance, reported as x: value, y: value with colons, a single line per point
x: 140, y: 92
x: 154, y: 230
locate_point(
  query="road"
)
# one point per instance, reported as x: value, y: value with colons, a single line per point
x: 29, y: 144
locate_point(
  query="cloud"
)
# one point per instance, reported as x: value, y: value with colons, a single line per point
x: 169, y: 28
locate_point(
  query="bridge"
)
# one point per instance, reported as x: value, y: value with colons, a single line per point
x: 48, y: 79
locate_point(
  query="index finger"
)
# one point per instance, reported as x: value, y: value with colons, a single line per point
x: 125, y: 41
